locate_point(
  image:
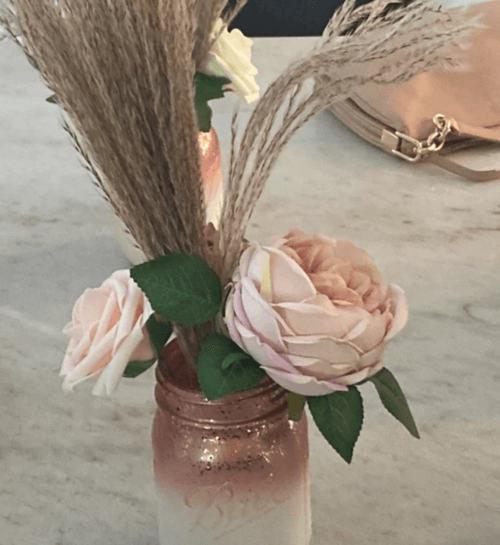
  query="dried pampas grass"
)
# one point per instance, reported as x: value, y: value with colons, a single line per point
x: 382, y: 46
x: 123, y: 72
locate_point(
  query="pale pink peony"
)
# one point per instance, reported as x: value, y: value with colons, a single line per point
x: 107, y: 332
x: 314, y: 312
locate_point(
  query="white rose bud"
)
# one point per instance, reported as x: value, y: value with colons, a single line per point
x: 230, y: 57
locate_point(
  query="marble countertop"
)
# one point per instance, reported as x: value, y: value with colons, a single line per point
x: 77, y: 470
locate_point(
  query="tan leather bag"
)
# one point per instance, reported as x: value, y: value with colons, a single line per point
x: 440, y: 112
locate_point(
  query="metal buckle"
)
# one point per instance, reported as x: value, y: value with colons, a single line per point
x: 417, y: 148
x: 435, y: 142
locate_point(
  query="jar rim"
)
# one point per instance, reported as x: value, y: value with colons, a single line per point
x: 196, y: 397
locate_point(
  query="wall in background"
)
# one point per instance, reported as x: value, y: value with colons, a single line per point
x: 294, y: 17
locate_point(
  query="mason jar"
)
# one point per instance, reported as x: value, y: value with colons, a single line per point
x: 234, y: 471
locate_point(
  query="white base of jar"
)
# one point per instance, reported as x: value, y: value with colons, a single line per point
x: 219, y: 517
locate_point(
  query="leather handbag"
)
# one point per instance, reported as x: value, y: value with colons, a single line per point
x: 438, y: 113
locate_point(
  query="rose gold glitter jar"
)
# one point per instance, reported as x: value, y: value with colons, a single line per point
x: 234, y: 471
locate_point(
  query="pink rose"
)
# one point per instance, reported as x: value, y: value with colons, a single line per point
x: 106, y: 333
x: 314, y: 312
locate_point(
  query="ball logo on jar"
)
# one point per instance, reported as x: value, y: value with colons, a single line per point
x: 221, y: 510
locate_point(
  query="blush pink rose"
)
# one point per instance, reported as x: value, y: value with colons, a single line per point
x: 314, y: 312
x: 107, y: 332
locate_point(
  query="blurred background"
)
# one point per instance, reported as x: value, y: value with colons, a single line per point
x: 268, y: 18
x: 285, y: 17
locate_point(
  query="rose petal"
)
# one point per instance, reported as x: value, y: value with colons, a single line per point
x: 322, y: 348
x: 71, y: 327
x: 303, y: 385
x: 90, y: 363
x: 260, y: 315
x: 289, y: 282
x: 292, y: 254
x: 334, y: 286
x: 314, y: 255
x: 144, y: 350
x: 276, y: 241
x: 375, y: 296
x: 322, y: 370
x: 321, y: 301
x: 75, y: 331
x: 118, y: 282
x: 399, y: 310
x: 90, y: 306
x: 257, y: 264
x: 68, y: 361
x: 363, y: 374
x: 238, y: 309
x: 230, y: 321
x: 359, y: 282
x: 358, y: 258
x: 230, y: 56
x: 109, y: 378
x: 242, y: 47
x: 77, y: 350
x: 261, y: 352
x: 309, y: 319
x: 357, y: 330
x: 127, y: 319
x: 374, y: 333
x: 110, y: 317
x: 245, y: 259
x: 147, y: 312
x: 373, y: 356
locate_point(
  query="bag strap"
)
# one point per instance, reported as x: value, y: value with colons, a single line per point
x: 460, y: 170
x: 410, y: 149
x: 488, y: 135
x: 431, y: 151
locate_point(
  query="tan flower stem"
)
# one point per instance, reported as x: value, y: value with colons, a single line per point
x: 296, y: 404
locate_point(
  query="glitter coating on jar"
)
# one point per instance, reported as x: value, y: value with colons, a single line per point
x: 234, y: 470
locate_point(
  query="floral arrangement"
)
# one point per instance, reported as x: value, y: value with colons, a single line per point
x: 314, y: 314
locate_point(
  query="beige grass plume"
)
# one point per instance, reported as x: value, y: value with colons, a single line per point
x: 384, y: 47
x: 123, y: 73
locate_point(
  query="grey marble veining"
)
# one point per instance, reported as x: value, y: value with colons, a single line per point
x: 76, y: 470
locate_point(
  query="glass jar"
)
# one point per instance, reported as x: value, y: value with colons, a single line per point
x: 233, y: 471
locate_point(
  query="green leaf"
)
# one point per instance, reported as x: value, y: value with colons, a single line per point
x: 361, y: 382
x: 394, y: 400
x: 207, y: 88
x: 52, y: 99
x: 159, y: 333
x: 339, y: 417
x: 181, y: 288
x: 233, y: 358
x: 242, y: 373
x: 296, y: 404
x: 136, y: 368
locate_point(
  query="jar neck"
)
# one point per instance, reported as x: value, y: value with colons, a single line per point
x: 174, y: 395
x: 172, y: 366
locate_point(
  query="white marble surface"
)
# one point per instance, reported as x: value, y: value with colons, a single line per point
x: 76, y: 470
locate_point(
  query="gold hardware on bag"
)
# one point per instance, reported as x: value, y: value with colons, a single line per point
x: 434, y: 143
x: 445, y: 139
